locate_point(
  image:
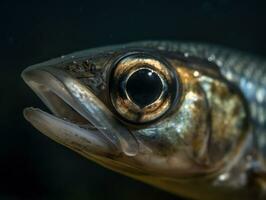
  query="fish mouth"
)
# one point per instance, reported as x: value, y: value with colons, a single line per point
x: 79, y: 119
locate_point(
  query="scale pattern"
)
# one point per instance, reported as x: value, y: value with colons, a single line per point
x: 246, y: 71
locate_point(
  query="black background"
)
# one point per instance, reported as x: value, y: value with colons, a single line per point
x: 34, y: 167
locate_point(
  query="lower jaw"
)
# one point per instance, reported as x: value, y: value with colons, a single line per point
x: 69, y: 134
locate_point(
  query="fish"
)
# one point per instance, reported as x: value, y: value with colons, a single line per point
x: 188, y: 118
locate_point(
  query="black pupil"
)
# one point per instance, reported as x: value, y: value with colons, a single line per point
x: 144, y: 87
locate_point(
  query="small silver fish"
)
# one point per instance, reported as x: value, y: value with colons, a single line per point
x: 187, y: 118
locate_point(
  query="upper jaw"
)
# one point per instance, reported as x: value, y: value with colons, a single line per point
x: 74, y: 104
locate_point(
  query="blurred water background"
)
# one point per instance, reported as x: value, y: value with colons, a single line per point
x: 33, y: 166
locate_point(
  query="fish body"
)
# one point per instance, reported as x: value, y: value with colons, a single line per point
x: 187, y: 118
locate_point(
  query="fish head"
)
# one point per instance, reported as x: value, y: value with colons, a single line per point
x: 147, y: 113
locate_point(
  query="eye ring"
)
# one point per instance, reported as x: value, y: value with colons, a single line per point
x: 159, y: 79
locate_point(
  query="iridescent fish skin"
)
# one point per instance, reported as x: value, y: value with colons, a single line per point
x: 203, y: 138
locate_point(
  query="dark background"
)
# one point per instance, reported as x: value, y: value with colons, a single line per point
x: 34, y: 167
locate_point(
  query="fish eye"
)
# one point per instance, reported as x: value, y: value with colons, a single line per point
x: 142, y: 87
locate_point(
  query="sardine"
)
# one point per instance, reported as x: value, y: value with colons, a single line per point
x: 187, y: 118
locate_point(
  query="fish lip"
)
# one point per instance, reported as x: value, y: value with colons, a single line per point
x: 89, y: 142
x: 44, y: 84
x: 50, y: 90
x: 51, y: 83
